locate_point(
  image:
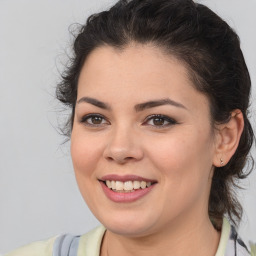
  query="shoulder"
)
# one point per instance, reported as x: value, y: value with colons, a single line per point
x: 87, y: 244
x: 231, y: 244
x: 90, y: 243
x: 41, y: 248
x: 253, y: 248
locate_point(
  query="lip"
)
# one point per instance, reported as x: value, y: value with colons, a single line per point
x: 124, y: 178
x: 125, y: 197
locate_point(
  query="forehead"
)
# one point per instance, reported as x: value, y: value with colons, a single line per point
x: 135, y: 62
x: 138, y: 73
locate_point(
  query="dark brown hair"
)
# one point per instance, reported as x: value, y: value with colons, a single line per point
x: 205, y: 44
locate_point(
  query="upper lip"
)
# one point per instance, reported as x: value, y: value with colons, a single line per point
x: 124, y: 178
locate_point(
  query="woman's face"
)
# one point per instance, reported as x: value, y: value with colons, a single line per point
x: 142, y: 129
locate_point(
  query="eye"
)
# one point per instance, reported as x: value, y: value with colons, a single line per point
x: 94, y: 120
x: 159, y: 121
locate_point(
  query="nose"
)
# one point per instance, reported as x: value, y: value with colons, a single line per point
x: 123, y: 146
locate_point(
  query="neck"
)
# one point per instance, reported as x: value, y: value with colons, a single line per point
x: 196, y: 237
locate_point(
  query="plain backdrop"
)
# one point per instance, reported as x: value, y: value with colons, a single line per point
x: 38, y: 193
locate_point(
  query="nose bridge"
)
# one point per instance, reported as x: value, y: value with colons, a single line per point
x: 123, y: 144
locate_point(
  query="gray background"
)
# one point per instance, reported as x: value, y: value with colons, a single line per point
x: 38, y: 193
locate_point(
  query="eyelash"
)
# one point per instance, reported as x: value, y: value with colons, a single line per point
x: 170, y: 121
x: 85, y: 119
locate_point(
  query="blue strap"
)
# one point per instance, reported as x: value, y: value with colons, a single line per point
x: 66, y: 245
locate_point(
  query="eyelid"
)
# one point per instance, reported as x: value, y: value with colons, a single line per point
x: 170, y: 120
x: 84, y: 119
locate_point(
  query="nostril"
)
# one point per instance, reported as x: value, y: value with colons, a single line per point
x: 109, y: 158
x: 119, y: 159
x: 123, y: 153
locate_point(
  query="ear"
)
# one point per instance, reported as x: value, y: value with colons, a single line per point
x: 227, y: 138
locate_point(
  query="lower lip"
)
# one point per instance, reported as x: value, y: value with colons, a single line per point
x: 125, y: 197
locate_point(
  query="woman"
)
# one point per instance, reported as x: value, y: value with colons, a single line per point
x: 159, y: 92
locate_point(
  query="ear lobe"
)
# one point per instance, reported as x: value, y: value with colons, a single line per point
x: 228, y: 137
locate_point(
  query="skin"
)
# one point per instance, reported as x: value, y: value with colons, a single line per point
x: 180, y: 156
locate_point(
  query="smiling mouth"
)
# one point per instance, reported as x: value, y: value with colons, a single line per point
x: 127, y: 186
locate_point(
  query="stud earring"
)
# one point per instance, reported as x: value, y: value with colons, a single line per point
x: 221, y: 162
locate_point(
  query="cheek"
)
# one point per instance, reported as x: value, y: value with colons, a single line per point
x: 184, y: 161
x: 84, y: 155
x: 85, y: 152
x: 178, y: 149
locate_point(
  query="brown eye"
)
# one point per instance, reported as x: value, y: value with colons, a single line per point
x: 94, y: 120
x: 159, y: 121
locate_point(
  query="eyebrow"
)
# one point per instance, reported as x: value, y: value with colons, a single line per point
x: 94, y: 102
x: 138, y: 107
x: 157, y: 103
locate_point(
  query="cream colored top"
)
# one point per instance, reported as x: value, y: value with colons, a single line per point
x: 89, y: 244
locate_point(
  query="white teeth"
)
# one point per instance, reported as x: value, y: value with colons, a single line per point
x: 119, y: 185
x: 128, y: 186
x: 108, y: 182
x: 136, y: 184
x: 113, y: 184
x: 143, y: 184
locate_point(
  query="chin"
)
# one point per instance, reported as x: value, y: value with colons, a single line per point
x: 128, y: 230
x: 130, y: 227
